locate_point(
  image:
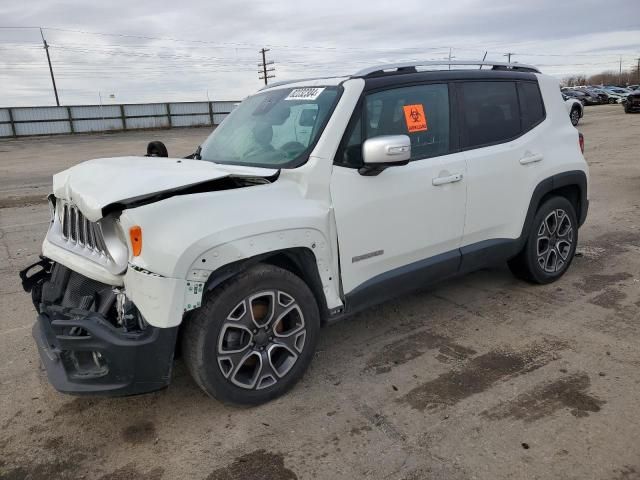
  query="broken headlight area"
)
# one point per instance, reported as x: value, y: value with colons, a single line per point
x: 92, y: 339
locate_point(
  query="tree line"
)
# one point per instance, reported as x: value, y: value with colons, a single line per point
x: 611, y: 77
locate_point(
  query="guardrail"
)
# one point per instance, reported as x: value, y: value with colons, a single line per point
x: 26, y: 121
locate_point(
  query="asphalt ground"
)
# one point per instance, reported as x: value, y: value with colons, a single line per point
x: 481, y: 377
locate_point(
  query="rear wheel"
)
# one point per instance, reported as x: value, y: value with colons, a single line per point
x: 551, y: 243
x: 612, y: 101
x: 575, y: 116
x: 254, y: 336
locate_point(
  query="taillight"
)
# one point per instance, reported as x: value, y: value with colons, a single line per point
x: 581, y: 142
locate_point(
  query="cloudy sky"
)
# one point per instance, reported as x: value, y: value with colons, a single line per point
x: 146, y: 51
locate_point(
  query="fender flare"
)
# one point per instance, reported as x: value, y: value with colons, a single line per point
x: 304, y: 251
x: 577, y: 178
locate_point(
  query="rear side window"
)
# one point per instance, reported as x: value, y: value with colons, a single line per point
x: 531, y: 106
x: 490, y: 113
x: 421, y: 112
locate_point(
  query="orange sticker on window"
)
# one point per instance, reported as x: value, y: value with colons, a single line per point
x: 415, y: 118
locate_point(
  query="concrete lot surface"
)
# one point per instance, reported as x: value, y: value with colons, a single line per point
x: 482, y: 377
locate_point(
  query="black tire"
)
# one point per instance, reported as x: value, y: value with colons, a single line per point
x: 157, y: 149
x: 612, y: 101
x: 527, y: 264
x: 222, y: 314
x: 575, y: 116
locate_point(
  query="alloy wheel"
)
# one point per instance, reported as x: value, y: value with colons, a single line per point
x: 554, y: 241
x: 261, y: 339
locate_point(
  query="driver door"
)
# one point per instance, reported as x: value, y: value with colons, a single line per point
x: 402, y: 228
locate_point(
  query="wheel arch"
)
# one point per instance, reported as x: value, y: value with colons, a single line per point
x: 572, y: 185
x: 301, y: 261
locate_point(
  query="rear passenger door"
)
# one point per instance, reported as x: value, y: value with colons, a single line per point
x: 501, y: 127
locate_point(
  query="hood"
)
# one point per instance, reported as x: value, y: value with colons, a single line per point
x: 97, y: 184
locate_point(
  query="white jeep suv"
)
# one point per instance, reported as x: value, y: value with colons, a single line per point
x: 313, y: 200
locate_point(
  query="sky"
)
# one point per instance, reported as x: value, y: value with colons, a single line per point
x: 123, y: 51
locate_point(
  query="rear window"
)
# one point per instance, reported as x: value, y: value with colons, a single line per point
x: 490, y: 113
x: 531, y: 105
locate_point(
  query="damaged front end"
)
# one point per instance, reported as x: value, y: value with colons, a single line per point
x: 91, y: 338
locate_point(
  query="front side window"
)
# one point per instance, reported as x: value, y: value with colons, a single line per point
x: 274, y: 129
x: 490, y: 113
x: 421, y: 112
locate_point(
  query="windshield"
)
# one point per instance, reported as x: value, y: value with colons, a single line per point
x: 277, y: 128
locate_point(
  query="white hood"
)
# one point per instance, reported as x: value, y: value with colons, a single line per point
x: 94, y: 184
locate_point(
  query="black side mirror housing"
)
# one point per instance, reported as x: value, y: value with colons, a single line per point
x: 156, y: 149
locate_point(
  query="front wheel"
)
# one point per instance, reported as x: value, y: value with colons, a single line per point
x: 254, y: 336
x: 550, y: 245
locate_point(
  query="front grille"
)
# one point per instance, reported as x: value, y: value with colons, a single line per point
x: 78, y: 230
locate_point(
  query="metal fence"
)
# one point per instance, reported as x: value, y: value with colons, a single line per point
x: 24, y: 121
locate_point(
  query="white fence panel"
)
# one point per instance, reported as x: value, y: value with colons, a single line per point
x: 148, y: 122
x: 95, y: 111
x: 5, y: 130
x: 42, y: 128
x: 190, y: 120
x: 183, y: 108
x: 4, y: 114
x: 39, y: 113
x: 223, y: 107
x: 97, y: 125
x: 145, y: 109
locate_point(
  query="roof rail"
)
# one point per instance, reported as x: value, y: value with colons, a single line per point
x: 379, y: 69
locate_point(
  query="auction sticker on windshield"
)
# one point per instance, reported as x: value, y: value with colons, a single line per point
x: 304, y: 93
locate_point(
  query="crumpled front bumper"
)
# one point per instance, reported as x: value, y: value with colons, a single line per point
x: 84, y: 352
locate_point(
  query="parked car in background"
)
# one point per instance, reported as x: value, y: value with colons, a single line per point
x: 632, y: 105
x: 574, y: 108
x: 591, y: 98
x: 610, y: 97
x: 622, y: 92
x: 580, y: 96
x: 601, y: 95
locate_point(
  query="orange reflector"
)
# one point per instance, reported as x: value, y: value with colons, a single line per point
x: 135, y: 234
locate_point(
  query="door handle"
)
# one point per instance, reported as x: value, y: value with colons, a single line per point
x: 456, y: 177
x: 531, y: 159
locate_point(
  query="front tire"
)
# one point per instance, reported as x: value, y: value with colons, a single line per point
x: 550, y: 245
x: 254, y: 336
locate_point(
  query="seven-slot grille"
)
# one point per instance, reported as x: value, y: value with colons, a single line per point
x: 77, y: 229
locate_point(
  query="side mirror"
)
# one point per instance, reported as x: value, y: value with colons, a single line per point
x: 384, y: 151
x: 156, y: 149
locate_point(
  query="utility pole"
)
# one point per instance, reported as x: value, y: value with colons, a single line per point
x: 638, y: 71
x: 620, y: 72
x: 450, y: 57
x: 264, y: 73
x: 53, y: 80
x: 508, y: 55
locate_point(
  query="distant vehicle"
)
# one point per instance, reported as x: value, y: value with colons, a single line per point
x: 608, y: 96
x: 633, y: 87
x: 623, y: 92
x: 603, y: 97
x: 632, y: 105
x: 575, y: 109
x: 580, y: 96
x: 613, y: 96
x: 592, y: 98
